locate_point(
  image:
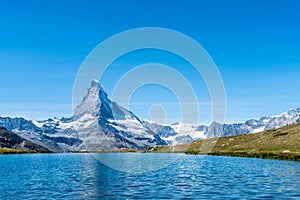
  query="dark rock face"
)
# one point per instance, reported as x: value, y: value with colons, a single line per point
x: 66, y: 140
x: 11, y: 140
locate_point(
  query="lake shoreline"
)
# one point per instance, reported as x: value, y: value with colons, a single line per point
x: 261, y: 155
x: 289, y: 156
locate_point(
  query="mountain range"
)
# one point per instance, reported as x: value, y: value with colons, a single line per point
x: 101, y: 124
x: 179, y: 133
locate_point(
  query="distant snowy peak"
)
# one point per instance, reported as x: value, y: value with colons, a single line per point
x: 177, y: 133
x: 180, y: 133
x: 289, y: 117
x: 254, y: 126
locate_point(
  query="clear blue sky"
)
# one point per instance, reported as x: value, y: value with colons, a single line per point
x: 255, y: 44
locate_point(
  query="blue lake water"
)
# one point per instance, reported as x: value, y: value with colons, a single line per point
x: 82, y: 176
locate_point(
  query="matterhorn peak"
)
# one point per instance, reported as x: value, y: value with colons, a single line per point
x: 95, y: 98
x: 95, y: 83
x: 97, y: 104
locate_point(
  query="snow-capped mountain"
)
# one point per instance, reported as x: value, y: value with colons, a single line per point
x: 100, y: 124
x: 179, y: 133
x: 97, y: 124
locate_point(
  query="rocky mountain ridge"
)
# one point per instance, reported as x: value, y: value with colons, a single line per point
x: 100, y: 124
x: 178, y: 133
x: 11, y: 140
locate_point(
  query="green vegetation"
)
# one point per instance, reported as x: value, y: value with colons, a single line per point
x: 14, y: 151
x: 263, y: 155
x: 282, y: 144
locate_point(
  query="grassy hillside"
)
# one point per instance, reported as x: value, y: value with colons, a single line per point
x: 282, y: 143
x: 14, y: 151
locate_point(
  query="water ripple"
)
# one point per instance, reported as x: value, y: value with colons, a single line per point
x: 81, y: 176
